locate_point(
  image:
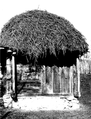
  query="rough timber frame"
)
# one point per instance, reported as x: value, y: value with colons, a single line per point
x: 75, y: 92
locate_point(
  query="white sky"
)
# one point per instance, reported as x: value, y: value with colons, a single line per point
x: 78, y: 12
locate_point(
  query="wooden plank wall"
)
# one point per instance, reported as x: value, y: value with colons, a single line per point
x: 54, y: 80
x: 60, y: 80
x: 65, y: 81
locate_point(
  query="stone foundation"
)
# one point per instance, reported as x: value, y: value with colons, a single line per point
x: 37, y: 103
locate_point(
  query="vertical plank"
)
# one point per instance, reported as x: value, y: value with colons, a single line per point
x: 60, y: 80
x: 49, y: 81
x: 78, y: 77
x: 52, y: 73
x: 71, y: 80
x: 43, y: 80
x: 56, y: 80
x: 66, y: 72
x: 39, y: 76
x: 13, y: 73
x: 65, y: 80
x: 68, y: 81
x: 75, y: 82
x: 0, y: 73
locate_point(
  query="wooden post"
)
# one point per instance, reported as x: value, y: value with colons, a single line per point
x: 0, y: 81
x: 78, y: 77
x: 71, y: 81
x: 74, y: 80
x: 66, y: 80
x: 49, y: 81
x: 0, y: 74
x: 56, y: 80
x: 43, y: 80
x: 60, y: 70
x: 14, y: 76
x: 8, y: 76
x: 52, y: 74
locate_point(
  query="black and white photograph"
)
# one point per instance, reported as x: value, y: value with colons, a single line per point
x: 45, y: 59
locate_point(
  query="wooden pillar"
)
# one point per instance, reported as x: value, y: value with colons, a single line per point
x: 49, y: 80
x: 0, y: 81
x: 43, y: 83
x: 1, y: 73
x: 8, y: 76
x: 14, y: 76
x: 60, y: 71
x: 78, y: 77
x: 71, y: 81
x: 56, y: 80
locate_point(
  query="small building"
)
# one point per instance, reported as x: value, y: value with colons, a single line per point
x: 40, y: 55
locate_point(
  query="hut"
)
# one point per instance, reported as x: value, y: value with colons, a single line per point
x: 46, y: 49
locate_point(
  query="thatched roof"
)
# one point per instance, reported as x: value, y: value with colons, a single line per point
x: 35, y: 33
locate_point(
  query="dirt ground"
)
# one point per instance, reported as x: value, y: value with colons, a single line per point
x: 83, y: 113
x: 47, y: 115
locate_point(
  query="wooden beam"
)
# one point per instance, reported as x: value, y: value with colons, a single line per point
x: 14, y: 77
x: 78, y: 77
x: 49, y: 80
x: 0, y: 75
x: 0, y: 81
x: 56, y: 80
x: 71, y: 80
x: 43, y: 80
x: 59, y: 73
x: 8, y: 76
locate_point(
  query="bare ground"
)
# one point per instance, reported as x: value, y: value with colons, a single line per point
x: 48, y: 115
x: 83, y: 113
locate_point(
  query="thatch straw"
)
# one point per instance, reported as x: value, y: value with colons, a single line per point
x: 36, y: 32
